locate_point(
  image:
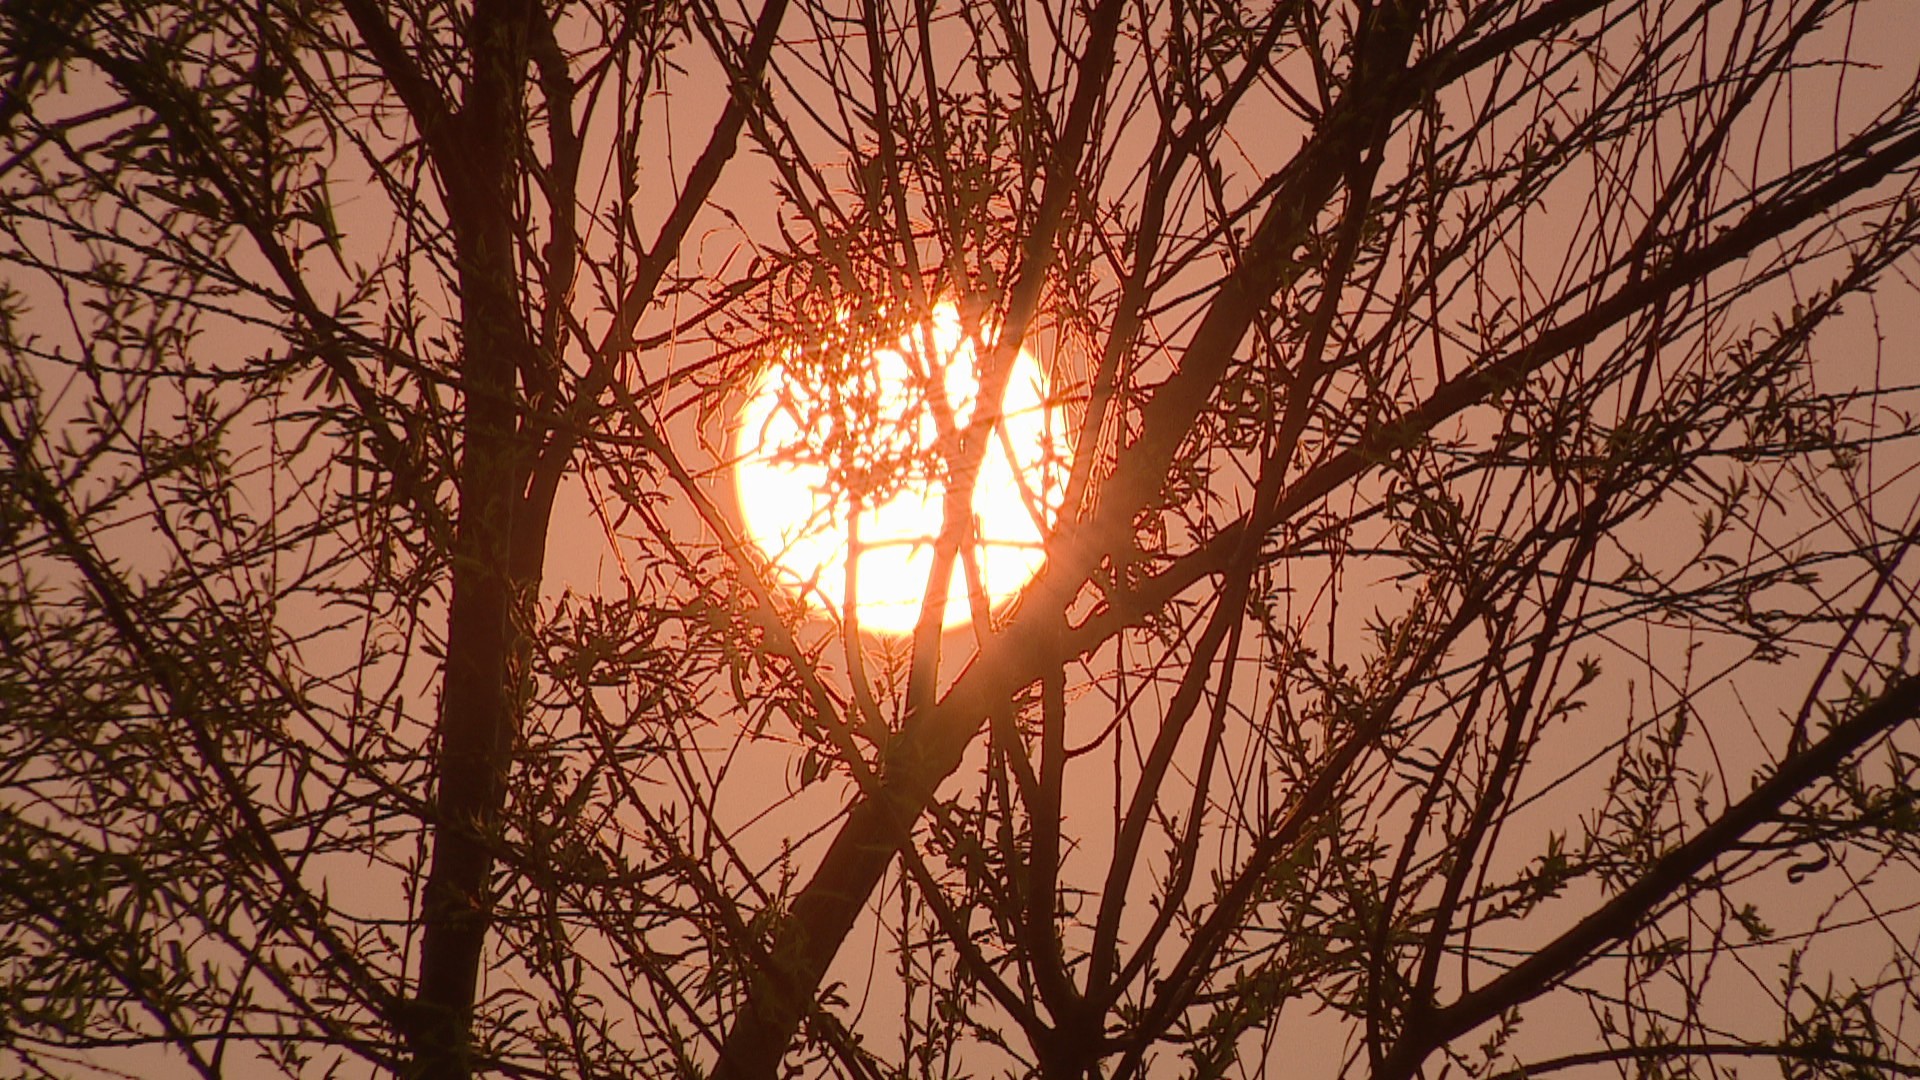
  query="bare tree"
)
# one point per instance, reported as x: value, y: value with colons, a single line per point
x: 1473, y: 632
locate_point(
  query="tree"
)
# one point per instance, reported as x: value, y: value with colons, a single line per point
x: 1473, y: 635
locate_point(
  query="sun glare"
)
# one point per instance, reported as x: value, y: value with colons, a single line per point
x: 837, y: 457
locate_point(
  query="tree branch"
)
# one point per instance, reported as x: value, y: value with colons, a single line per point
x: 1897, y: 704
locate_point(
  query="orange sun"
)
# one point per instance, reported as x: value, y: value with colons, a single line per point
x: 839, y: 458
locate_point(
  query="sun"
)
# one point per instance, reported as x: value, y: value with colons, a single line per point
x: 841, y: 486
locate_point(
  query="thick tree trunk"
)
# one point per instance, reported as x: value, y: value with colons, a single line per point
x: 478, y: 718
x: 486, y: 649
x: 477, y: 727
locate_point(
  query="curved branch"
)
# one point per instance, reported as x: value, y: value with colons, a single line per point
x: 1897, y: 704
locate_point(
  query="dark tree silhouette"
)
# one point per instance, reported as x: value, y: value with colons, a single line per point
x: 1474, y: 631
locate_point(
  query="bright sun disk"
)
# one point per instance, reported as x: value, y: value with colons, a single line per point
x: 812, y: 440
